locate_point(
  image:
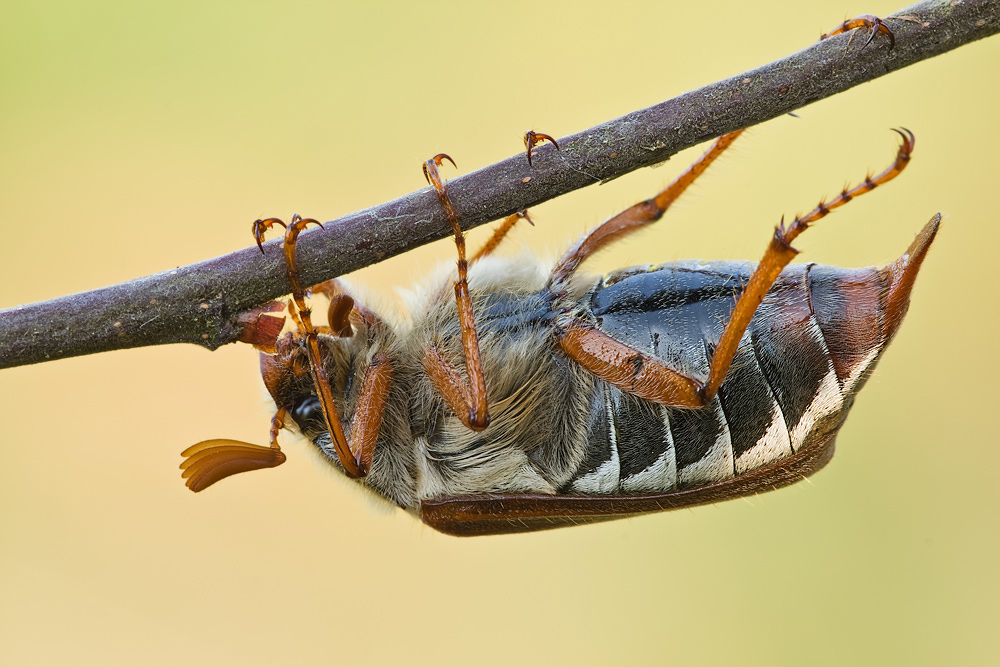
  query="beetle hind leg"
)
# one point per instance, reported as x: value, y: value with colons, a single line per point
x: 647, y: 377
x: 778, y: 255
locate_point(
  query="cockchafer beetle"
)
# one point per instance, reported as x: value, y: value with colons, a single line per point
x: 539, y: 397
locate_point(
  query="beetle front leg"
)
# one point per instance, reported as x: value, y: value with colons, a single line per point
x: 367, y: 421
x: 355, y: 455
x: 213, y: 460
x: 532, y: 139
x: 307, y: 335
x: 466, y: 397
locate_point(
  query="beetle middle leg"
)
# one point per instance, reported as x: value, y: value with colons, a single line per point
x: 645, y: 376
x: 617, y: 363
x: 635, y: 217
x: 466, y: 397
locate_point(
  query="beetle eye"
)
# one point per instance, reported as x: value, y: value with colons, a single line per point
x: 308, y: 414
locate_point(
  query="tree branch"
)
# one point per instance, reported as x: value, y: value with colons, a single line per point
x: 200, y: 303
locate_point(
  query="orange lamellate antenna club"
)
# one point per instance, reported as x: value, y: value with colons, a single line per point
x: 207, y: 462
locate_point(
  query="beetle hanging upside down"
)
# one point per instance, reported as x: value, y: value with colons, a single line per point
x: 536, y: 398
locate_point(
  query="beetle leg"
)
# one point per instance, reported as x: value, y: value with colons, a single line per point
x: 499, y: 234
x: 210, y: 461
x: 334, y: 290
x: 302, y: 316
x: 532, y: 139
x: 466, y: 397
x: 367, y: 421
x: 873, y: 24
x: 627, y: 368
x: 777, y: 256
x: 637, y: 216
x: 646, y: 377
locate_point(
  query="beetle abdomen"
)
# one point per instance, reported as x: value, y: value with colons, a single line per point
x: 807, y: 351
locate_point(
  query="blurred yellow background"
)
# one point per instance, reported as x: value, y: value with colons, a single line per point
x: 137, y: 137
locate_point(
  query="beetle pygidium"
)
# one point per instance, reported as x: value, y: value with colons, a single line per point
x: 538, y: 397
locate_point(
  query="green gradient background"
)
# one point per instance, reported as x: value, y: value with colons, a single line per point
x: 137, y: 137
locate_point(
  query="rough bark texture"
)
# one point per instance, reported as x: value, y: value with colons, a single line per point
x: 200, y: 303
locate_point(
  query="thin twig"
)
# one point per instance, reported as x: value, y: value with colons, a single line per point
x: 200, y: 303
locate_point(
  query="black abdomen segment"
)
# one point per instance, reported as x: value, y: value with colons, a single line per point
x: 782, y: 391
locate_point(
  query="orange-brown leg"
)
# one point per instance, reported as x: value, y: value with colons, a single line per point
x: 645, y: 376
x: 213, y: 460
x: 625, y: 367
x: 354, y: 456
x: 778, y: 255
x: 636, y: 217
x: 532, y: 139
x: 467, y: 398
x: 499, y: 234
x: 302, y: 316
x: 873, y: 24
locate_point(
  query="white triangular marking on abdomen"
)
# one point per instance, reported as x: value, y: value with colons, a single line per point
x: 717, y: 463
x: 605, y: 479
x: 828, y: 400
x: 859, y: 369
x: 773, y: 445
x: 661, y: 475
